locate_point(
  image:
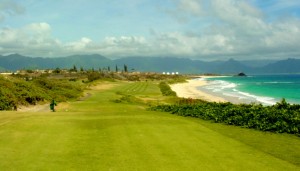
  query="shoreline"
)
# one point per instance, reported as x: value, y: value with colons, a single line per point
x: 189, y: 90
x: 192, y: 89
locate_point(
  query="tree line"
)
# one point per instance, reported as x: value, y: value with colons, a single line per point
x: 108, y: 68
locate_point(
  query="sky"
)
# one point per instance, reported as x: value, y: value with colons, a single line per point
x: 196, y: 29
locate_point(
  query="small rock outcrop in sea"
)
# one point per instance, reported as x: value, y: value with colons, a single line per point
x: 242, y: 74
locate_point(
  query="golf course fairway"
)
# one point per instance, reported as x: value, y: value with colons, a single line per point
x: 111, y: 129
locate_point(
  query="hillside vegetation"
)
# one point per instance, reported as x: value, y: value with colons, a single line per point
x: 16, y: 91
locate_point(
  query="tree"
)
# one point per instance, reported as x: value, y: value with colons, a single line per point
x: 57, y: 70
x: 125, y: 68
x: 117, y: 70
x: 29, y: 71
x: 74, y: 69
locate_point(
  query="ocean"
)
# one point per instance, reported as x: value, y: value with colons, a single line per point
x: 265, y: 89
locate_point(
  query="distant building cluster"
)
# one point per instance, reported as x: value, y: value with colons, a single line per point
x: 37, y: 71
x: 6, y: 73
x: 170, y: 73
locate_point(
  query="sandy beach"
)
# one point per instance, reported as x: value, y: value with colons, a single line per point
x: 189, y: 90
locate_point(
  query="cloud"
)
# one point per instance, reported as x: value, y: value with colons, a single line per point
x: 36, y: 39
x: 193, y: 6
x: 10, y: 8
x: 42, y: 29
x: 238, y: 28
x: 124, y: 46
x: 234, y: 28
x: 186, y: 10
x: 78, y: 46
x: 33, y: 39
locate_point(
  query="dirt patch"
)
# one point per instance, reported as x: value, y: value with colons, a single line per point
x: 63, y: 107
x: 35, y: 108
x: 85, y: 96
x: 44, y: 108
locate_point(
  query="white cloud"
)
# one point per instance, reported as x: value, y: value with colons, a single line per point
x: 33, y: 39
x: 36, y: 39
x: 239, y: 28
x: 124, y: 41
x: 123, y: 46
x: 42, y: 29
x: 78, y: 46
x: 235, y: 29
x: 193, y: 6
x: 10, y: 8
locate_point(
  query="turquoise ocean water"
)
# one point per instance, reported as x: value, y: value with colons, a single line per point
x: 266, y: 89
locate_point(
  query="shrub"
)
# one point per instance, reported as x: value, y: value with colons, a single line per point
x: 166, y: 89
x: 281, y: 117
x: 127, y: 99
x: 8, y: 100
x: 92, y: 76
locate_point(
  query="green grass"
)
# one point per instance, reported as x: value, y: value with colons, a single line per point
x: 99, y: 134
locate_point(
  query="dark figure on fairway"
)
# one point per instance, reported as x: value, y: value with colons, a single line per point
x: 52, y: 105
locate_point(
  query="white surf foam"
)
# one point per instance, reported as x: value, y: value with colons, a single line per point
x: 277, y: 82
x: 229, y: 89
x: 262, y: 99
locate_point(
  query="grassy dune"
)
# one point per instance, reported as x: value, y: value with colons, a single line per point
x: 112, y: 130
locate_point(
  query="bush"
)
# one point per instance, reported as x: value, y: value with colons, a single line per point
x: 281, y: 117
x: 166, y: 89
x: 92, y: 76
x: 8, y: 100
x: 61, y: 90
x: 127, y: 99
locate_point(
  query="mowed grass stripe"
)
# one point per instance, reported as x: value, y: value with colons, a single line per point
x: 135, y: 88
x: 98, y: 134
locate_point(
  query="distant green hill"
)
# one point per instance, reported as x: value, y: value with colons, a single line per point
x: 16, y: 61
x: 152, y: 64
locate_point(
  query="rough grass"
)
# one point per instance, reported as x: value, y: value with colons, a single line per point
x: 99, y: 134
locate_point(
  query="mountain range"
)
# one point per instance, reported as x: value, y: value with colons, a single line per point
x: 15, y: 62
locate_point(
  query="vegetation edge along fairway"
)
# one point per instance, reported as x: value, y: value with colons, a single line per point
x: 112, y: 130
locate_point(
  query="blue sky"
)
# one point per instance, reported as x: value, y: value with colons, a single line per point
x: 197, y: 29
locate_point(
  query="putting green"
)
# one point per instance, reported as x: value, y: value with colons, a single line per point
x: 100, y: 134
